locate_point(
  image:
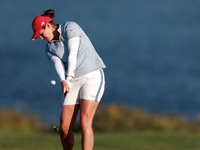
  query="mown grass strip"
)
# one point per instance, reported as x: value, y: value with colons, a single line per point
x: 15, y: 140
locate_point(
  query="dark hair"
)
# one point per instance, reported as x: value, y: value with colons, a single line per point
x: 51, y: 14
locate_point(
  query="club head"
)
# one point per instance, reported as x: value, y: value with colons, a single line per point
x: 55, y: 128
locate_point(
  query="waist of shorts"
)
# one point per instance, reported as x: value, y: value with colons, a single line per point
x: 91, y: 74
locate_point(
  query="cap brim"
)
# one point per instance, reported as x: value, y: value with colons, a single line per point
x: 35, y: 35
x: 33, y: 39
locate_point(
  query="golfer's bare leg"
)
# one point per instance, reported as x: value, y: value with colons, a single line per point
x: 87, y: 112
x: 67, y: 121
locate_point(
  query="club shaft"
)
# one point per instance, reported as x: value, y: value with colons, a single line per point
x: 63, y: 99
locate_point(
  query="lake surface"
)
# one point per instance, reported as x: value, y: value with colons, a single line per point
x: 150, y: 48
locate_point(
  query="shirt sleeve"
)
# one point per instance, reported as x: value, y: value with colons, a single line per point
x: 73, y: 30
x: 48, y: 53
x: 73, y: 45
x: 59, y: 67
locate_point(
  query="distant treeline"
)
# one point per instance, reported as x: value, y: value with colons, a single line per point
x: 107, y: 119
x: 124, y: 118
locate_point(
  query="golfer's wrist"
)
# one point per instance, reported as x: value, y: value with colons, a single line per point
x: 70, y: 76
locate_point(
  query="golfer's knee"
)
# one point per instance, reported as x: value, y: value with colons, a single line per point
x: 85, y: 124
x: 64, y: 128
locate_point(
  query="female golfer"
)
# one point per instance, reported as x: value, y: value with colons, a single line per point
x: 80, y: 70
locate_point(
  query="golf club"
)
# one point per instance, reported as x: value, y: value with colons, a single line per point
x: 56, y: 128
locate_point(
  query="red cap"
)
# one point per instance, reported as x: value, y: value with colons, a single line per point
x: 39, y: 22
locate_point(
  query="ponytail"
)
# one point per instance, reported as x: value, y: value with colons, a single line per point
x: 50, y: 13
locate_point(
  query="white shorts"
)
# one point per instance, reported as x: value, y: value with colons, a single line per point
x: 89, y: 87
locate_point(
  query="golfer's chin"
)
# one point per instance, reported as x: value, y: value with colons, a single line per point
x: 48, y: 39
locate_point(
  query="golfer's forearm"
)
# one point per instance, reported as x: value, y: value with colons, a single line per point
x: 59, y: 67
x: 73, y: 45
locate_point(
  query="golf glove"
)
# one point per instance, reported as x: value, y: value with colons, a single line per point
x: 70, y: 82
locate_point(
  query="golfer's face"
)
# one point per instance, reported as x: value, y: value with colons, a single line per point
x: 46, y: 33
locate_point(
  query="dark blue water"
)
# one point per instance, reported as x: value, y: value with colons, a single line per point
x: 151, y: 49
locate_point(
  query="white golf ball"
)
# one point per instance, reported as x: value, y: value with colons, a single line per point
x: 53, y: 82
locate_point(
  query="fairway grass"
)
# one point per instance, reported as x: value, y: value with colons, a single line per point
x: 13, y: 140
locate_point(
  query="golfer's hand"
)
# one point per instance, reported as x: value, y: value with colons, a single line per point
x: 70, y: 81
x: 65, y: 87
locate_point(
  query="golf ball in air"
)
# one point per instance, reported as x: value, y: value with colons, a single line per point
x: 53, y: 82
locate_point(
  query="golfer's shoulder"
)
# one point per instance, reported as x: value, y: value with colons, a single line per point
x: 70, y: 25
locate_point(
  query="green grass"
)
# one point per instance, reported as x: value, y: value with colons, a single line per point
x: 13, y: 140
x: 147, y: 141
